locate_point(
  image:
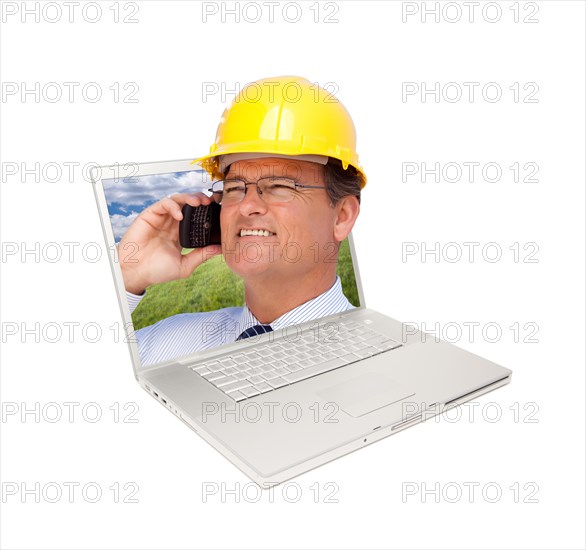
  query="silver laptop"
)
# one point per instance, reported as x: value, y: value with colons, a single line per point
x: 281, y: 403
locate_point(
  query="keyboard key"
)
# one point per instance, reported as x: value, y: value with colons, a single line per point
x: 288, y: 347
x: 269, y: 375
x: 213, y: 376
x: 277, y: 383
x: 224, y: 381
x: 250, y: 391
x: 237, y: 396
x: 282, y: 371
x: 314, y: 371
x: 227, y: 363
x: 360, y: 345
x: 252, y: 356
x: 230, y: 370
x: 349, y: 358
x: 295, y: 367
x: 216, y: 381
x: 363, y: 353
x: 256, y: 380
x: 263, y: 387
x: 214, y: 367
x: 254, y: 372
x: 233, y: 386
x: 241, y: 376
x: 239, y: 359
x: 391, y: 344
x: 264, y: 352
x: 333, y: 347
x: 202, y: 371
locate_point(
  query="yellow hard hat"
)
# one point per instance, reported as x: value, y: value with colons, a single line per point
x: 285, y: 115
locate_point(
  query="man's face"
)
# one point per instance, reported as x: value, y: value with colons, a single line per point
x: 301, y: 231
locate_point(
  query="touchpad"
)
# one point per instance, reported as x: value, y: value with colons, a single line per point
x: 366, y: 393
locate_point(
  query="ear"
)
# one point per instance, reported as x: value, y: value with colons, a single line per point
x: 347, y: 211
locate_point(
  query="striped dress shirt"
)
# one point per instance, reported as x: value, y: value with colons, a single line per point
x: 186, y: 333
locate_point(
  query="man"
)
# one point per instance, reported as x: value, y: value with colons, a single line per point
x: 288, y: 180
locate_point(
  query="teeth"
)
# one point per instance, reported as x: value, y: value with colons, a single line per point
x: 255, y: 232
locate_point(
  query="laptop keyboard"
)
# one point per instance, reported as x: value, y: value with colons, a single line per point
x: 283, y: 362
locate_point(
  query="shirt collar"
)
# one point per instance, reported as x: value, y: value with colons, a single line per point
x: 307, y: 311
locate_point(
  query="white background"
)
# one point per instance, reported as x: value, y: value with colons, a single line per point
x: 170, y: 53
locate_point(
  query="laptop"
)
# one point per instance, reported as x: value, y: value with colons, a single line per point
x: 284, y: 402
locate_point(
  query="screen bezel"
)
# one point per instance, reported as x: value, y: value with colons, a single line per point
x: 118, y: 171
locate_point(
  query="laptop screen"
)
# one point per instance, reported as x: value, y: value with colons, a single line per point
x: 207, y: 307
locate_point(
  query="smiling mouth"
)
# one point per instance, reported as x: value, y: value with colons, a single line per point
x: 256, y: 233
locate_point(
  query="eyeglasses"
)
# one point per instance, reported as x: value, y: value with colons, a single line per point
x: 271, y: 189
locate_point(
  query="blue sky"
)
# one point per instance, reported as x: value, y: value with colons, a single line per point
x: 128, y: 197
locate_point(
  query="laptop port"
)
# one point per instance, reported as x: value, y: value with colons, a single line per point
x: 410, y: 421
x: 164, y: 400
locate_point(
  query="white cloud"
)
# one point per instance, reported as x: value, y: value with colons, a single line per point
x: 141, y: 190
x: 121, y: 223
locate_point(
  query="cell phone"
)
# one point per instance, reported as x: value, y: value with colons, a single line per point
x: 200, y: 225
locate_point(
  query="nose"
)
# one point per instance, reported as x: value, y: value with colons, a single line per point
x: 252, y: 203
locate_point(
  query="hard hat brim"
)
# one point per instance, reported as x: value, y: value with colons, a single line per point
x: 210, y: 163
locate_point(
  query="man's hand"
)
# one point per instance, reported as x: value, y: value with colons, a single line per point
x: 150, y: 252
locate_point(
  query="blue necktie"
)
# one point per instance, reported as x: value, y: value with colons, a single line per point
x: 255, y: 331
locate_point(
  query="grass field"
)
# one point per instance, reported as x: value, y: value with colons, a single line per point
x: 213, y: 286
